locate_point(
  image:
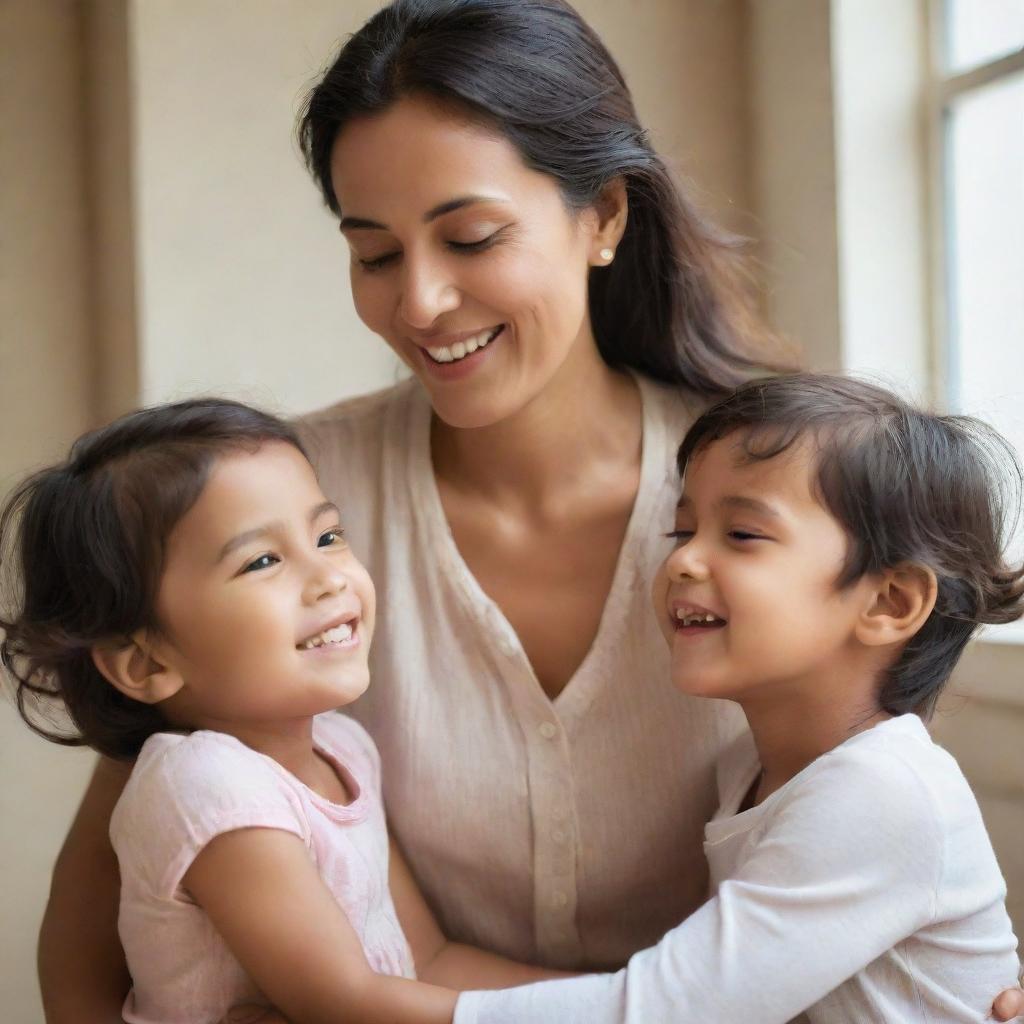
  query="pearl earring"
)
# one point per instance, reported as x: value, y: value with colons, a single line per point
x: 607, y: 255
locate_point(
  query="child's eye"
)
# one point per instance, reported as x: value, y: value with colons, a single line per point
x: 329, y: 537
x: 263, y: 562
x: 744, y: 535
x: 680, y: 536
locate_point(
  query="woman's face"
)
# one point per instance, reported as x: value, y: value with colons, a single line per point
x: 464, y: 260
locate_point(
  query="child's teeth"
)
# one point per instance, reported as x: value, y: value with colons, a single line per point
x: 337, y: 635
x: 691, y: 618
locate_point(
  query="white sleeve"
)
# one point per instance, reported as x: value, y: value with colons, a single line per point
x: 848, y: 866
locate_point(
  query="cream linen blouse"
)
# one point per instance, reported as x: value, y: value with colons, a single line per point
x: 565, y: 832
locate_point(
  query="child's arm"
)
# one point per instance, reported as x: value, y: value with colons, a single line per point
x: 449, y: 963
x: 265, y: 897
x: 844, y: 872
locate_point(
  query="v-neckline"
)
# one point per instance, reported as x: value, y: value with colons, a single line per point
x: 579, y: 689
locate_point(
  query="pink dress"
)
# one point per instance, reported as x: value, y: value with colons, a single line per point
x: 187, y: 789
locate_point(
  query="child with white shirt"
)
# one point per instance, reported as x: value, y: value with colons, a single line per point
x: 188, y: 600
x: 835, y: 551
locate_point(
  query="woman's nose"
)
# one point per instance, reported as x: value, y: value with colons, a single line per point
x: 427, y: 292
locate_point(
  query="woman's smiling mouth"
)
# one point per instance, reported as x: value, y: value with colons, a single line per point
x: 454, y: 360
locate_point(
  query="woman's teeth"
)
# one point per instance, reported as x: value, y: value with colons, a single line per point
x: 461, y: 349
x: 337, y: 635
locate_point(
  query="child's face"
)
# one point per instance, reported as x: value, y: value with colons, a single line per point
x: 758, y: 552
x: 265, y: 612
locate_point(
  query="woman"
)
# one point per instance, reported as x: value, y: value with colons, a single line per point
x: 564, y: 312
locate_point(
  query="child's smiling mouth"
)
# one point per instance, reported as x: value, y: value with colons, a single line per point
x: 341, y: 634
x: 693, y: 618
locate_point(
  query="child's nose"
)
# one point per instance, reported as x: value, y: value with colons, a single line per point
x: 687, y: 562
x: 325, y: 580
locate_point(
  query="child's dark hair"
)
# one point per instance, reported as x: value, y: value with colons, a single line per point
x: 83, y: 543
x: 908, y: 487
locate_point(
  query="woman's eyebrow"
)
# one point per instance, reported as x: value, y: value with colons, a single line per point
x: 448, y: 206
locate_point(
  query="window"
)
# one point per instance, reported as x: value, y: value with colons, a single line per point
x: 977, y: 114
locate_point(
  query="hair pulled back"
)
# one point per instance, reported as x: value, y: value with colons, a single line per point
x: 673, y: 304
x: 82, y: 547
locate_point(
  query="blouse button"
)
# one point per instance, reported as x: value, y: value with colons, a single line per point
x: 548, y: 730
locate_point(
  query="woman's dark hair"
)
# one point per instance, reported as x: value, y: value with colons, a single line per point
x: 908, y: 487
x: 82, y: 544
x: 674, y: 304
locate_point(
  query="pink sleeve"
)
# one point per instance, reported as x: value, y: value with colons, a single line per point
x: 185, y: 791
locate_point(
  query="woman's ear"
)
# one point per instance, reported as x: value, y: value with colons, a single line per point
x: 609, y: 212
x: 136, y: 669
x: 899, y: 605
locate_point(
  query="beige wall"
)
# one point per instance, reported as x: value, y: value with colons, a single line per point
x: 46, y: 395
x: 167, y: 241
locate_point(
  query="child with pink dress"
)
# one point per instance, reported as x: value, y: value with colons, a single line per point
x: 189, y: 601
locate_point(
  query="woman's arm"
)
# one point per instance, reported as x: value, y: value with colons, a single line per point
x: 82, y: 972
x: 449, y: 963
x: 265, y: 897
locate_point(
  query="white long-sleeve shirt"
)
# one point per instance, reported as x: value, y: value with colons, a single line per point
x: 863, y: 890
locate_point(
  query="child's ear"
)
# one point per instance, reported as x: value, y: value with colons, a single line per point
x: 900, y: 604
x: 136, y: 669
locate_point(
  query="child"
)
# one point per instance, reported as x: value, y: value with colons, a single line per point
x: 190, y: 601
x: 835, y: 551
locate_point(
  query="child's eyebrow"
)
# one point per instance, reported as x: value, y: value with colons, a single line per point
x: 241, y: 539
x: 737, y: 501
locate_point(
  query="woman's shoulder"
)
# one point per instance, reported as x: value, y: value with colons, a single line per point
x: 359, y: 416
x: 677, y: 407
x: 348, y: 444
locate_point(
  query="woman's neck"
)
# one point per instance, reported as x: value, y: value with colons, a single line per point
x: 587, y: 416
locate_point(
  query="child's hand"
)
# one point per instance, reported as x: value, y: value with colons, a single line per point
x: 1009, y: 1005
x: 250, y: 1014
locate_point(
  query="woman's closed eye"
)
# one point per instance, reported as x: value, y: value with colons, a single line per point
x: 372, y: 263
x: 477, y: 245
x: 377, y: 262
